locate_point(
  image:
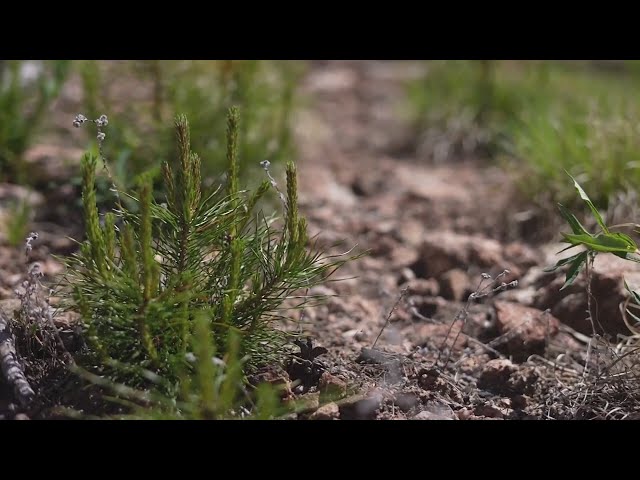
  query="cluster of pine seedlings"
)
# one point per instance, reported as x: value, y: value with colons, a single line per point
x: 183, y: 298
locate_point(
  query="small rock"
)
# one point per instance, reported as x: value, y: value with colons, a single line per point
x: 277, y: 378
x: 10, y: 305
x: 406, y: 401
x: 454, y: 285
x: 51, y: 267
x: 443, y: 251
x: 62, y: 245
x: 488, y: 411
x: 521, y: 254
x: 524, y: 379
x: 526, y: 330
x: 495, y: 375
x: 330, y: 411
x: 520, y: 402
x: 309, y: 402
x: 360, y: 407
x: 331, y: 387
x: 5, y: 293
x: 21, y: 416
x: 51, y: 162
x: 10, y: 192
x: 290, y: 416
x: 333, y: 80
x: 383, y: 246
x: 402, y: 257
x: 464, y: 414
x: 523, y: 296
x: 423, y: 287
x: 321, y: 290
x: 406, y: 275
x: 435, y: 411
x: 411, y: 232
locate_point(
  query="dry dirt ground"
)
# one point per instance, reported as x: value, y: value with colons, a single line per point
x: 427, y: 325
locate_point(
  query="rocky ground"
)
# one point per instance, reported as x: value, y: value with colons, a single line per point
x: 430, y: 324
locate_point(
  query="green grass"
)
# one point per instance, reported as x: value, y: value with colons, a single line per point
x: 540, y: 118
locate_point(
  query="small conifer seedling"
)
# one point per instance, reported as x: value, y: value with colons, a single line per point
x: 163, y: 287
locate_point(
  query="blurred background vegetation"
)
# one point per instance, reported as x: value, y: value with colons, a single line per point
x: 533, y: 118
x: 536, y: 119
x: 141, y: 99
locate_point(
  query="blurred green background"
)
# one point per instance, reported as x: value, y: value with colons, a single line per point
x: 141, y: 99
x: 536, y: 119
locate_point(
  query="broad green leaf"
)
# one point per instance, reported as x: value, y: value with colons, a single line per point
x: 605, y: 242
x: 587, y: 200
x: 575, y: 268
x: 563, y: 262
x: 575, y: 224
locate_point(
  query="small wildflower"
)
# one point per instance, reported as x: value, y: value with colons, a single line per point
x: 486, y: 276
x: 79, y: 120
x: 265, y: 164
x: 30, y: 238
x: 101, y: 136
x: 103, y: 121
x: 35, y: 270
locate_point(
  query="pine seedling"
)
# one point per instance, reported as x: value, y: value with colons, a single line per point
x: 150, y: 280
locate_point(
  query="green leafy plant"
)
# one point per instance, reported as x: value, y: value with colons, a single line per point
x: 198, y: 275
x: 605, y: 241
x: 23, y: 105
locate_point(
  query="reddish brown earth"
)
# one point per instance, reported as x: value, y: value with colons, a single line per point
x: 431, y: 231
